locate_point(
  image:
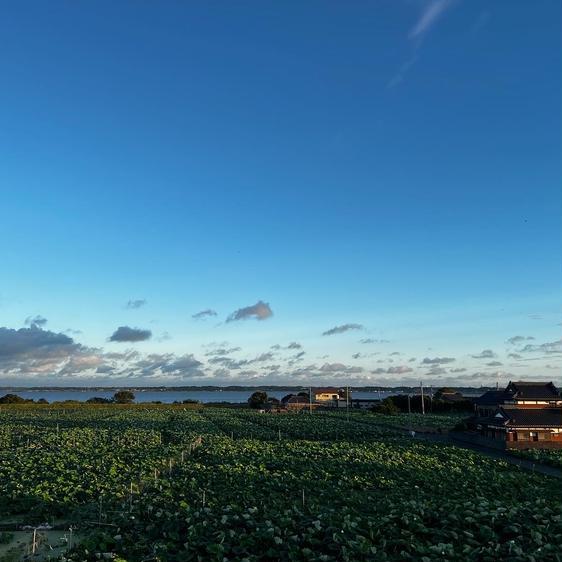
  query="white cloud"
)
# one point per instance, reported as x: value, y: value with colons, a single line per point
x: 135, y: 303
x: 432, y: 11
x: 341, y: 329
x: 485, y: 354
x: 260, y: 311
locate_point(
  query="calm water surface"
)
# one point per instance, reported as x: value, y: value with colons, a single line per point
x: 166, y: 396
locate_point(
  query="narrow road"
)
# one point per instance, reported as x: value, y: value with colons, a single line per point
x: 494, y: 454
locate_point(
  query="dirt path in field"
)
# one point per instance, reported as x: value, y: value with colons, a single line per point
x: 494, y: 454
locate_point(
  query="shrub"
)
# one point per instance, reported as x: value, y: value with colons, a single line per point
x: 14, y: 399
x: 124, y: 397
x: 388, y: 407
x: 99, y: 400
x: 257, y: 399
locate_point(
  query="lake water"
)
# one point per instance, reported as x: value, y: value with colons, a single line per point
x: 166, y: 396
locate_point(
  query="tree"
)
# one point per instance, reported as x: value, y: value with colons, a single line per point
x: 258, y: 399
x: 446, y: 391
x: 388, y: 407
x: 98, y: 400
x: 401, y: 402
x: 13, y: 399
x: 124, y: 397
x: 343, y: 393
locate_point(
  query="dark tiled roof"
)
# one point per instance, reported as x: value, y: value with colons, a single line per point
x: 329, y: 390
x: 533, y: 417
x: 490, y: 420
x: 453, y: 397
x: 493, y: 398
x: 533, y: 390
x: 519, y: 391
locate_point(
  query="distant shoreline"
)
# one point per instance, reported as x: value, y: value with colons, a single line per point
x: 220, y: 388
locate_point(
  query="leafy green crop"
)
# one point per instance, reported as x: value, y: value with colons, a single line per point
x: 173, y: 484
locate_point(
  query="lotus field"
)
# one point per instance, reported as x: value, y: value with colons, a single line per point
x: 174, y: 484
x: 544, y: 456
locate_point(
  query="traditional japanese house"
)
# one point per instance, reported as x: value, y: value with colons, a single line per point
x: 295, y: 402
x: 523, y: 415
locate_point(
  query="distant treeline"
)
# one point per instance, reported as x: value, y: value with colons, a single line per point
x: 436, y: 404
x: 233, y: 388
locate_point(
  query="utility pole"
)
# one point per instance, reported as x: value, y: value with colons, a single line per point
x: 310, y: 400
x: 347, y: 402
x: 409, y: 407
x: 423, y: 405
x: 430, y: 399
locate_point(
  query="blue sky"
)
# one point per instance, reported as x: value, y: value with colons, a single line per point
x: 389, y: 167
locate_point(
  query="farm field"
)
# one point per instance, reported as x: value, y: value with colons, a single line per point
x: 415, y: 420
x: 551, y: 457
x: 175, y: 484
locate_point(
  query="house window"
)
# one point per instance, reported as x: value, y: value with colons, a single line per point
x: 533, y: 436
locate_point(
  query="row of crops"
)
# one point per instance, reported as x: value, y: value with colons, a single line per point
x: 551, y: 457
x: 173, y: 485
x: 438, y: 421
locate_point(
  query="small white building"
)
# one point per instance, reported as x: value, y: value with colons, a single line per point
x: 327, y: 394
